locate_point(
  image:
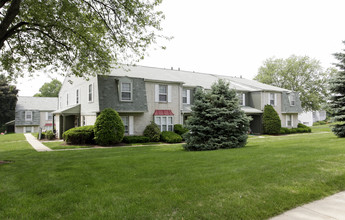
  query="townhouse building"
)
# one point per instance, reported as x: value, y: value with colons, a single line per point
x: 143, y: 94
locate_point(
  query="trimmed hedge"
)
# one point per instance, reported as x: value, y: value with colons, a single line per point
x: 153, y: 132
x: 109, y: 128
x: 171, y: 137
x: 179, y: 129
x: 50, y: 135
x: 271, y: 121
x: 301, y: 128
x: 135, y: 139
x: 79, y: 135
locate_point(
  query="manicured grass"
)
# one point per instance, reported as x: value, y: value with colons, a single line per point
x: 56, y: 145
x: 268, y: 176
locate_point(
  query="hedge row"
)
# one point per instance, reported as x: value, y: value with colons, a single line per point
x: 301, y: 128
x: 135, y: 139
x: 79, y: 135
x: 171, y: 137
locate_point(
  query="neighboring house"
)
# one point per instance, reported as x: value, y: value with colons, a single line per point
x: 308, y: 118
x: 143, y: 94
x: 33, y: 113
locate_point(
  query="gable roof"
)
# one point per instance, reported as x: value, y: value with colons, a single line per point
x: 37, y: 103
x: 191, y: 79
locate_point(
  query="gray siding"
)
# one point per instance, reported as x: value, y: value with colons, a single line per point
x: 109, y: 95
x: 287, y: 108
x: 254, y: 100
x: 20, y: 118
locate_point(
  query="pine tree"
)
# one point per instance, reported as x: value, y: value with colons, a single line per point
x: 337, y: 102
x: 217, y: 120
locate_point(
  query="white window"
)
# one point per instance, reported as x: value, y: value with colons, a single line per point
x: 49, y: 116
x: 163, y: 93
x: 28, y: 115
x: 126, y: 91
x: 125, y: 120
x: 165, y: 123
x: 186, y: 96
x: 90, y: 93
x: 241, y: 98
x: 77, y: 96
x: 292, y: 99
x: 272, y: 99
x: 289, y: 119
x: 67, y: 99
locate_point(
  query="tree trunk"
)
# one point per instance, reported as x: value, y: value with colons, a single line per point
x: 11, y: 14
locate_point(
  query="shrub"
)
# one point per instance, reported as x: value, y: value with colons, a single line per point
x: 285, y: 131
x: 79, y: 135
x: 179, y: 129
x: 50, y: 135
x: 171, y: 137
x: 135, y: 139
x: 153, y: 132
x: 271, y: 121
x: 109, y: 128
x: 43, y: 135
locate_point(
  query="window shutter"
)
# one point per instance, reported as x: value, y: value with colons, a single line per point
x: 244, y: 99
x: 291, y: 120
x: 188, y: 97
x: 269, y: 98
x: 156, y: 93
x: 131, y: 125
x: 169, y: 93
x: 275, y: 99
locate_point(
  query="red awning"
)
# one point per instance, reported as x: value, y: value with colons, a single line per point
x: 48, y: 124
x: 163, y: 112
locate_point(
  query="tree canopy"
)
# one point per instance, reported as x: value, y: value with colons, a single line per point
x: 80, y: 37
x: 8, y: 100
x: 50, y: 89
x: 337, y: 101
x: 217, y: 120
x: 300, y: 74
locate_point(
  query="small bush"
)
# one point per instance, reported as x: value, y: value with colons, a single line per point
x: 43, y: 135
x: 109, y: 128
x: 271, y: 121
x: 135, y: 139
x: 50, y: 135
x: 153, y: 132
x: 285, y: 131
x: 179, y: 129
x: 171, y: 137
x: 79, y: 135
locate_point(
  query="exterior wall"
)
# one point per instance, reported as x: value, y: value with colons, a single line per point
x: 287, y: 107
x: 70, y: 85
x: 294, y: 120
x: 109, y: 97
x: 306, y: 118
x: 20, y: 118
x: 43, y: 120
x: 21, y: 129
x: 142, y: 120
x: 254, y: 100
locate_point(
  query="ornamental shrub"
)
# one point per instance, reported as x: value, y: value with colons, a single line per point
x: 109, y: 128
x: 135, y: 139
x: 179, y: 129
x: 50, y: 135
x: 79, y: 135
x: 271, y: 121
x: 217, y: 121
x: 153, y: 132
x: 171, y: 137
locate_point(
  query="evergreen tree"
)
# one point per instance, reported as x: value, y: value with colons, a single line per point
x: 8, y: 101
x: 271, y: 120
x: 337, y: 102
x: 217, y: 120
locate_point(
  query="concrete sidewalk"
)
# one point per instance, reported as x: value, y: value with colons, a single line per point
x: 38, y: 146
x: 332, y: 207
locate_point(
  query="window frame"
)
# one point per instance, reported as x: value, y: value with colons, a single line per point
x: 289, y: 116
x: 90, y: 93
x: 31, y: 115
x: 270, y: 99
x: 242, y: 98
x: 47, y: 116
x: 162, y: 94
x: 169, y: 122
x: 126, y: 125
x: 77, y: 96
x: 130, y: 92
x: 292, y: 99
x: 184, y: 96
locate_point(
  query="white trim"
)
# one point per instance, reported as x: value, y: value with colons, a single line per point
x: 275, y: 99
x: 131, y: 92
x: 169, y: 93
x: 88, y: 92
x: 131, y: 125
x: 244, y: 99
x: 77, y: 96
x: 156, y: 92
x: 188, y: 97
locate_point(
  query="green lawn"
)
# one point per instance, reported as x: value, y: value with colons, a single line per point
x: 268, y: 176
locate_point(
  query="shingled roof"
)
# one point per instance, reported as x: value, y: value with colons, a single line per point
x: 192, y: 79
x: 37, y: 103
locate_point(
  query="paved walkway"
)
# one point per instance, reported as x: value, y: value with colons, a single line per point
x: 38, y: 146
x: 332, y: 207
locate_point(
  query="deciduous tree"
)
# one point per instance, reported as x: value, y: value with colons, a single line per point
x: 300, y: 74
x: 80, y: 37
x: 50, y: 89
x: 8, y: 100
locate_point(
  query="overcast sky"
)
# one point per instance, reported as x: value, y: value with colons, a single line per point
x: 233, y: 38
